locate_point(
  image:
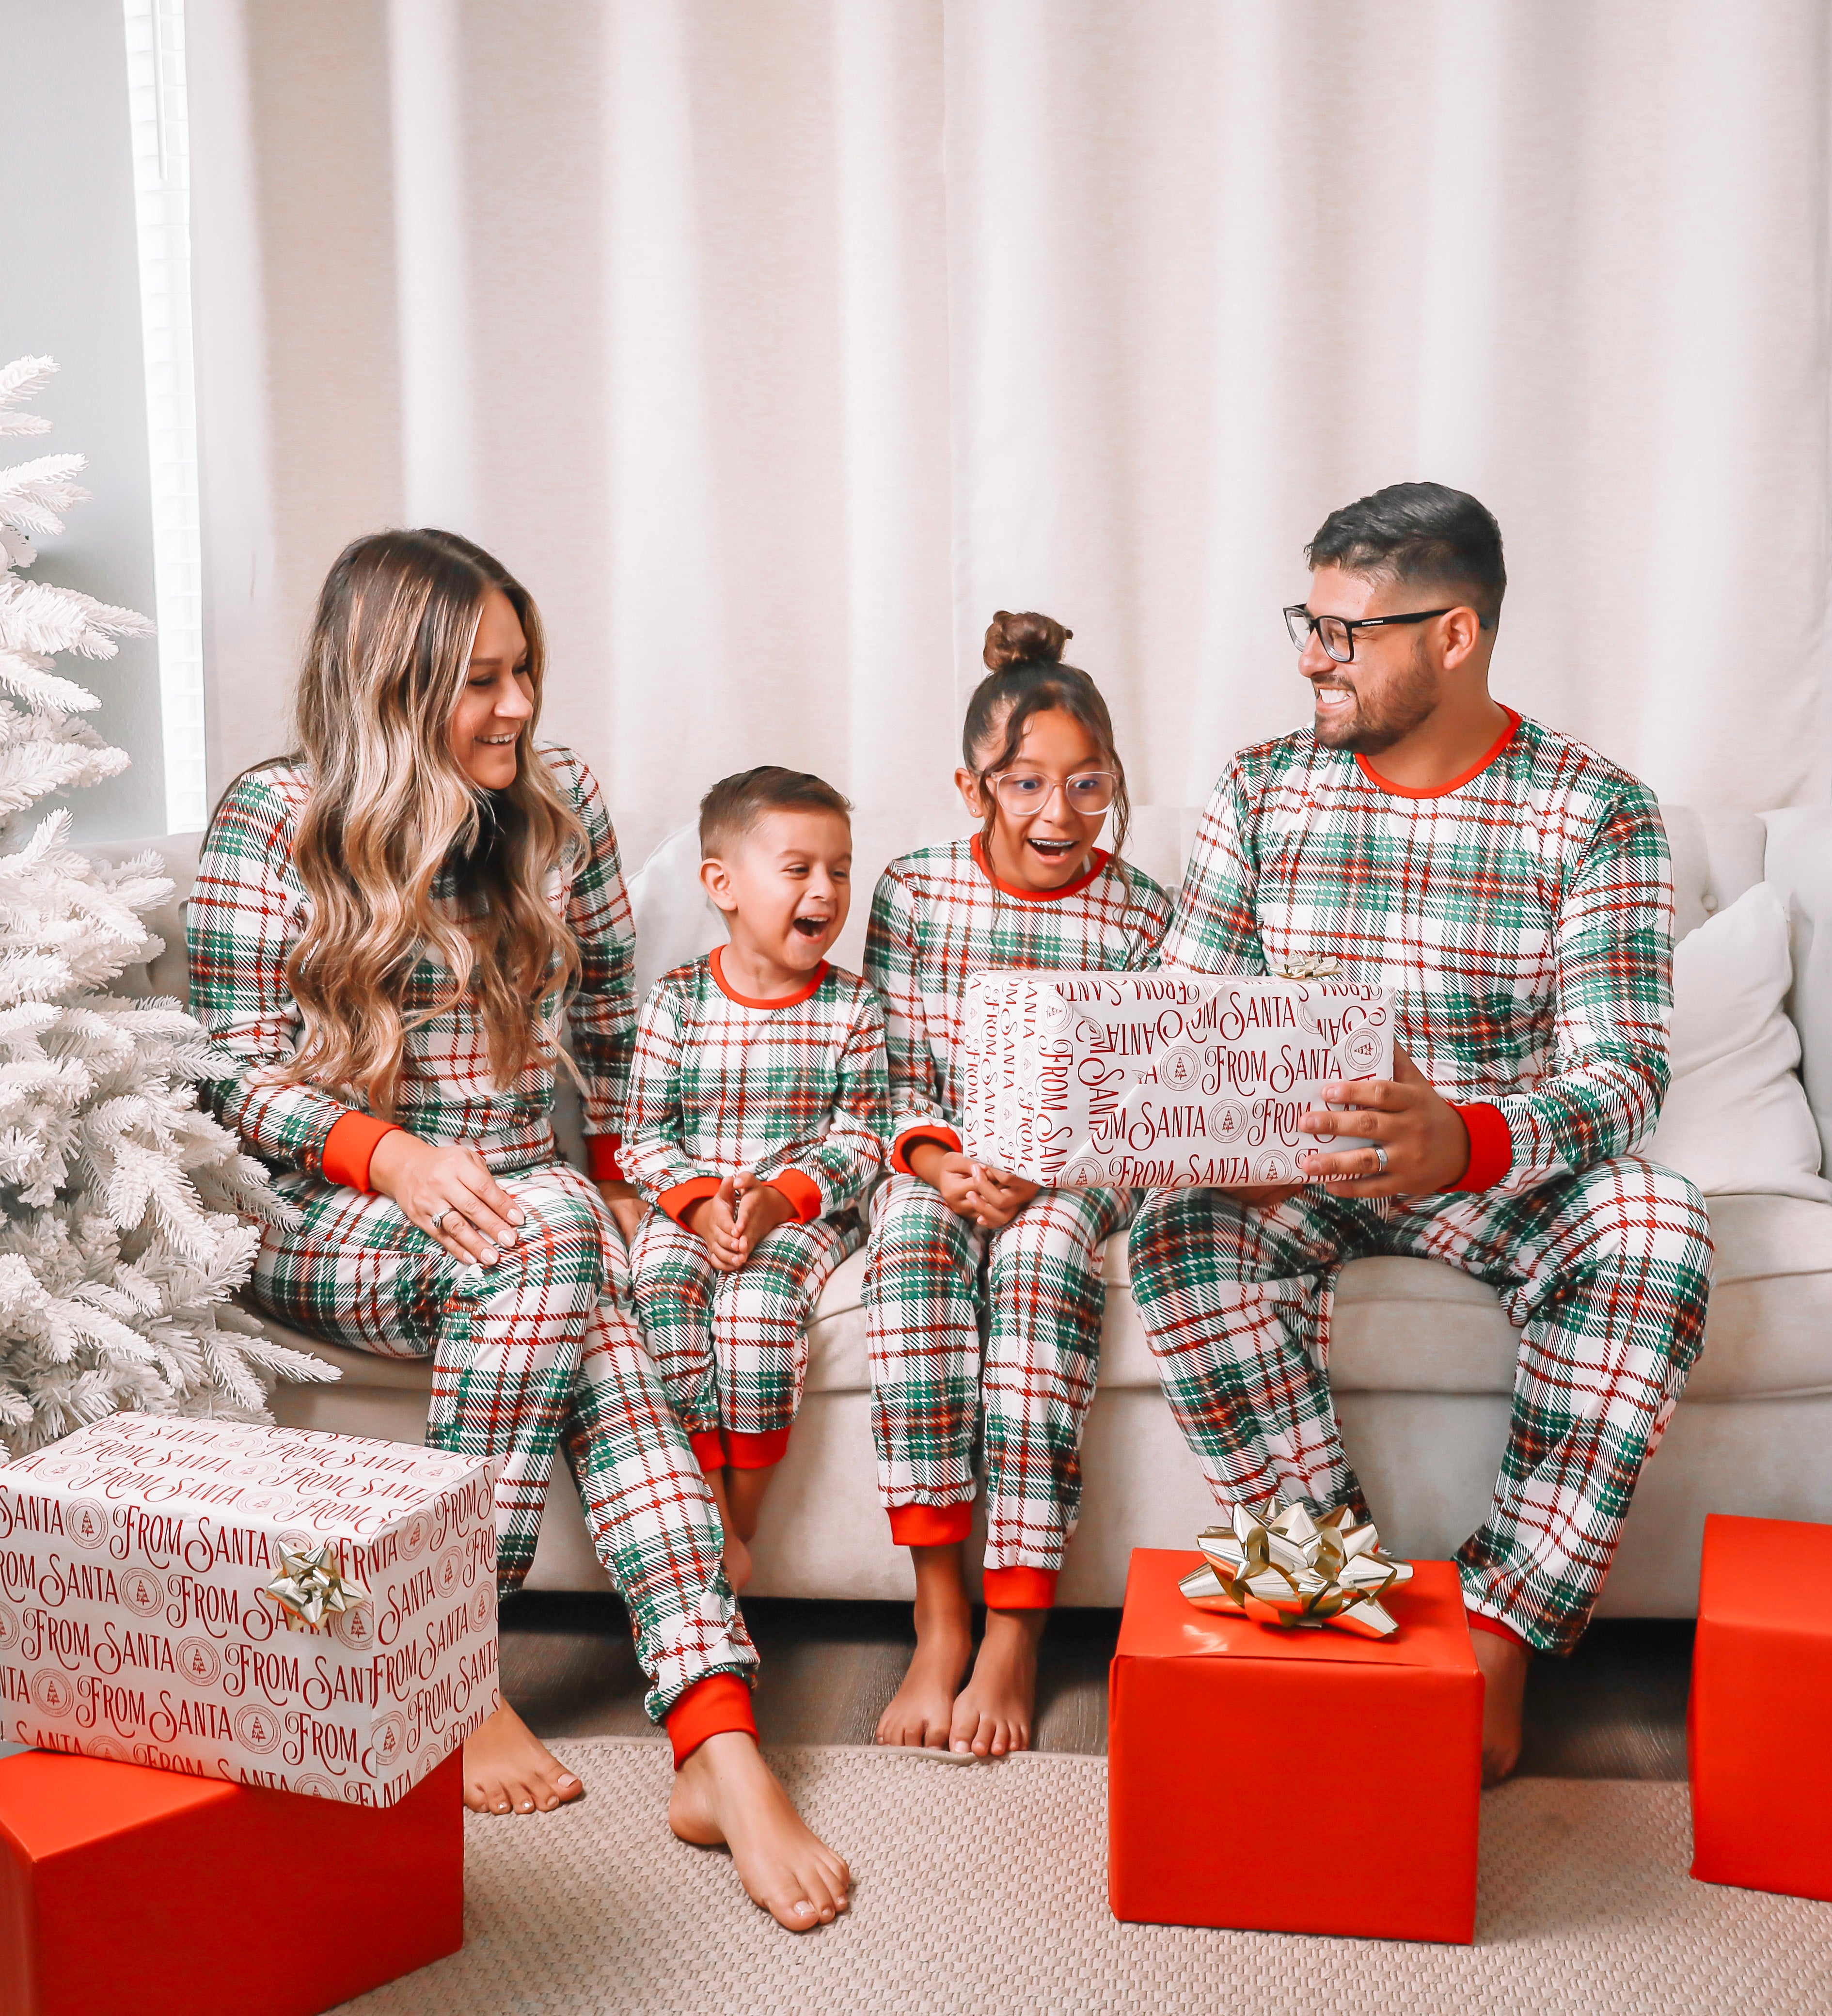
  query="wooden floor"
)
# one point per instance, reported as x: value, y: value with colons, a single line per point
x: 1615, y: 1709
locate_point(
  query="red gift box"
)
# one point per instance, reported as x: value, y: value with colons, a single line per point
x: 125, y: 1888
x: 1293, y: 1781
x: 1761, y: 1681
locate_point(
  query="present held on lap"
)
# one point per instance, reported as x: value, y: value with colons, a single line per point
x: 313, y: 1613
x: 1161, y: 1080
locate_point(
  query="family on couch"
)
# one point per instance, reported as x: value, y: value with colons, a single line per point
x: 389, y: 924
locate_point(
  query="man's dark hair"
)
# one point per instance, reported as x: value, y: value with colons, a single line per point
x: 1418, y: 532
x: 735, y: 805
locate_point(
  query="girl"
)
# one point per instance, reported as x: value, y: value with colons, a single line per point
x: 386, y: 927
x: 1031, y: 889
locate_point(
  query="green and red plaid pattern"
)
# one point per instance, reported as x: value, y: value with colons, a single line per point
x: 249, y: 909
x: 1523, y: 920
x: 731, y: 1348
x: 540, y: 1347
x: 1045, y: 1296
x: 1605, y: 1275
x: 938, y: 918
x: 720, y: 1086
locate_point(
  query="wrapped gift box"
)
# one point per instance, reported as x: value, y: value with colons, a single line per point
x: 1293, y: 1781
x: 139, y: 1560
x: 1159, y: 1081
x: 1761, y: 1684
x: 126, y: 1888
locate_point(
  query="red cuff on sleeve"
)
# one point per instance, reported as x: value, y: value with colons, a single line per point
x: 710, y: 1706
x: 351, y: 1145
x: 945, y: 1137
x: 708, y: 1448
x: 675, y: 1201
x: 762, y: 1452
x: 1491, y: 1147
x: 1019, y: 1589
x: 602, y: 1152
x: 802, y: 1191
x: 930, y: 1525
x: 1495, y: 1629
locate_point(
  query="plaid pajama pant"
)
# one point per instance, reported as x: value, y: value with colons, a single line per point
x: 731, y: 1348
x: 537, y: 1351
x: 1044, y: 1297
x: 1605, y: 1274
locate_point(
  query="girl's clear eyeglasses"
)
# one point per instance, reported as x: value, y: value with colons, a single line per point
x: 1020, y: 792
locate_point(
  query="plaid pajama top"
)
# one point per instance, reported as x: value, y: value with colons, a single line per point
x: 249, y: 907
x: 1522, y: 915
x: 792, y: 1090
x: 939, y: 917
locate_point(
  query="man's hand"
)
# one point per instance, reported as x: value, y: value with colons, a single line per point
x: 476, y: 1216
x: 1427, y: 1145
x: 989, y: 1198
x: 624, y: 1203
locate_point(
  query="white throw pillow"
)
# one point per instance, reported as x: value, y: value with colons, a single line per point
x: 1735, y: 1117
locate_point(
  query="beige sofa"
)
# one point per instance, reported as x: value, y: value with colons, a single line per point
x: 1422, y: 1360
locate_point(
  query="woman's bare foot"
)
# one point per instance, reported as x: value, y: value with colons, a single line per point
x: 726, y: 1796
x: 1504, y: 1675
x: 922, y: 1708
x: 508, y: 1770
x: 994, y: 1711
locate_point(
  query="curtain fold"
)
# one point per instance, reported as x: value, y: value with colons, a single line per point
x: 775, y: 345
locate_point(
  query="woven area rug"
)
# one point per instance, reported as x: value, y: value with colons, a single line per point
x: 984, y: 1889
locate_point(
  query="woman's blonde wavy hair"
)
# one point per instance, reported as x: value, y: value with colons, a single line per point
x: 391, y: 807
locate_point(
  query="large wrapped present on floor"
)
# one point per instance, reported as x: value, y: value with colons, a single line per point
x: 125, y: 1888
x: 1294, y: 1780
x: 273, y: 1606
x: 1159, y: 1081
x: 1762, y: 1687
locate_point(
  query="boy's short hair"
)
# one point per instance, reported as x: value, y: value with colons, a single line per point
x: 735, y: 805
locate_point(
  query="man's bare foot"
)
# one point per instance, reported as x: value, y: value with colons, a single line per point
x: 508, y: 1770
x: 726, y: 1796
x: 1504, y: 1676
x: 994, y: 1711
x: 922, y: 1708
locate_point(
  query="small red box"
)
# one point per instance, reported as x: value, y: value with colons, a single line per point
x: 1761, y: 1684
x: 1299, y: 1781
x: 125, y: 1888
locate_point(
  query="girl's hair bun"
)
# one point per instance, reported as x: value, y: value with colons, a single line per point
x: 1028, y: 640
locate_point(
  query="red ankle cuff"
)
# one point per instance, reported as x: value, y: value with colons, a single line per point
x: 711, y: 1706
x: 1495, y: 1629
x: 1019, y: 1589
x: 930, y: 1525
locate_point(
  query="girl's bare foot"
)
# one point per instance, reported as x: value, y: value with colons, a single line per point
x: 726, y: 1796
x: 508, y: 1770
x: 1504, y: 1667
x: 923, y: 1707
x: 994, y: 1712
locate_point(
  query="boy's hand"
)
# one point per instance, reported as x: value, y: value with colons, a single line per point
x: 989, y: 1196
x: 714, y: 1219
x: 624, y: 1203
x: 761, y: 1207
x: 996, y: 1197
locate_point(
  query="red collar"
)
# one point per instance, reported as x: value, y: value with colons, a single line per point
x: 751, y: 1000
x: 1456, y: 784
x: 1101, y: 858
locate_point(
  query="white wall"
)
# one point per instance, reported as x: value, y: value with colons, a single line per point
x: 69, y: 289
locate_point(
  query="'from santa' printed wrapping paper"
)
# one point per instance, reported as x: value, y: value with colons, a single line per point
x: 1161, y: 1080
x: 139, y: 1561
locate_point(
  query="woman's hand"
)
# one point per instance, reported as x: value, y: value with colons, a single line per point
x: 989, y: 1198
x: 476, y: 1216
x: 624, y: 1203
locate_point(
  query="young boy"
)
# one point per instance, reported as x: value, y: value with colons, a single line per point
x: 757, y: 1103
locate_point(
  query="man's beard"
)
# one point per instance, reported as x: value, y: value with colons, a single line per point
x: 1407, y: 701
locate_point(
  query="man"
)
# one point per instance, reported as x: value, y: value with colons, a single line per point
x: 1513, y: 891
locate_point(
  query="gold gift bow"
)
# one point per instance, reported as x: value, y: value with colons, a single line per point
x: 1287, y: 1569
x: 310, y: 1587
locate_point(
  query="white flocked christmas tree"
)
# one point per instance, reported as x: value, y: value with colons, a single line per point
x: 127, y: 1209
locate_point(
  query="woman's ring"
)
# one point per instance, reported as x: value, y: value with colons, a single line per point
x: 1380, y: 1157
x: 439, y: 1217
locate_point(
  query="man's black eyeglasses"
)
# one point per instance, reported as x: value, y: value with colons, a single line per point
x: 1337, y: 633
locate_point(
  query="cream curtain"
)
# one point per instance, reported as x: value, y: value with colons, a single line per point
x: 775, y: 343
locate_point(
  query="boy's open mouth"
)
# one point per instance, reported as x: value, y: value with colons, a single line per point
x: 812, y: 927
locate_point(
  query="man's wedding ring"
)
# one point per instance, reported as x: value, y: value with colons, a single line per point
x: 439, y: 1217
x: 1380, y: 1157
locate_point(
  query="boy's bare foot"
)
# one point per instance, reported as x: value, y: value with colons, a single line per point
x: 994, y: 1711
x: 726, y: 1796
x: 746, y: 1489
x: 922, y: 1708
x: 508, y: 1770
x: 1504, y: 1675
x: 735, y: 1555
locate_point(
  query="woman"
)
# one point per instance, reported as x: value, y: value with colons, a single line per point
x: 386, y: 928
